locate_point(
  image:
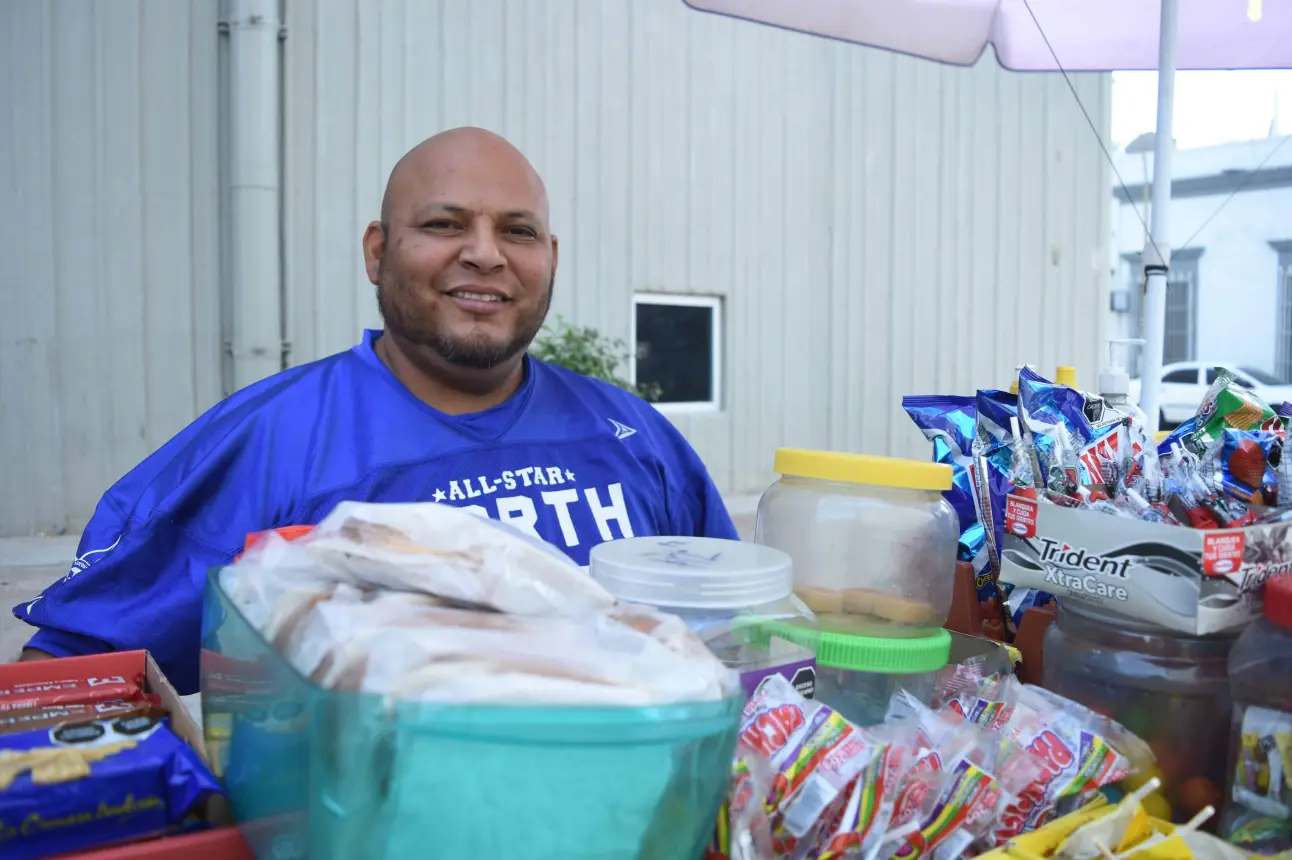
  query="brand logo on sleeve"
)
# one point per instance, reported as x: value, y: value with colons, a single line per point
x: 622, y: 431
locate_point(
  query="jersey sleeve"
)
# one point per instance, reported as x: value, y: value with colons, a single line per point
x: 134, y: 585
x: 695, y: 507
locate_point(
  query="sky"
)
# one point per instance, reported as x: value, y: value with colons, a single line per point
x: 1210, y: 107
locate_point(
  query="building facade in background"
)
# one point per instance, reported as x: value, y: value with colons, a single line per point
x: 792, y: 233
x: 1229, y: 294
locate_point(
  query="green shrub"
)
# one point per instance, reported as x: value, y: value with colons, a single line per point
x: 585, y: 350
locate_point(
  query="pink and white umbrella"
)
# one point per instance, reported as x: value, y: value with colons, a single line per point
x: 1071, y: 35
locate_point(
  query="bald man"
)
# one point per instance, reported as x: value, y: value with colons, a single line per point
x: 441, y: 405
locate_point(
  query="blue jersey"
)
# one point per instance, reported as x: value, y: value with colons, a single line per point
x: 570, y: 459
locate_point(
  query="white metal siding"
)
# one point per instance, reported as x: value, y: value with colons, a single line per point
x: 877, y: 225
x: 108, y: 245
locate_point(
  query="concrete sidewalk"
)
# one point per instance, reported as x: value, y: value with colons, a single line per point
x: 28, y: 564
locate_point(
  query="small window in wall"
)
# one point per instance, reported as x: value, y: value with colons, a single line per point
x: 1283, y: 311
x: 1179, y: 340
x: 677, y: 350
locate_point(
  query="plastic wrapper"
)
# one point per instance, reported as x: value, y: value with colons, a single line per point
x: 437, y: 550
x: 1082, y: 751
x: 73, y: 686
x: 1227, y: 404
x: 961, y: 781
x: 403, y: 646
x: 89, y: 784
x: 50, y: 716
x: 1247, y: 460
x: 949, y: 423
x: 1054, y: 416
x: 1263, y: 772
x: 743, y: 831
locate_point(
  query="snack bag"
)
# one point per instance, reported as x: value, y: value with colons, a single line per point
x: 949, y: 423
x: 1246, y: 458
x: 95, y: 783
x: 1055, y: 417
x: 1228, y: 404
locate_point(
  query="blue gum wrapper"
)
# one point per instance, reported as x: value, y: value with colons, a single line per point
x: 1179, y: 436
x: 130, y: 794
x: 948, y: 422
x: 1284, y: 410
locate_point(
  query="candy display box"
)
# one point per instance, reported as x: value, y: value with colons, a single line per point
x: 1196, y: 581
x: 337, y: 775
x: 223, y: 842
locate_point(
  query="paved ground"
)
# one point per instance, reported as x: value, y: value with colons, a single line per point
x: 27, y: 565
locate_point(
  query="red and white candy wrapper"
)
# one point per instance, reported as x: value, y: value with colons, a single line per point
x: 1081, y: 751
x: 813, y: 753
x: 857, y: 823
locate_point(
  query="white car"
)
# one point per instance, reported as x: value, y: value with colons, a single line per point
x: 1184, y: 383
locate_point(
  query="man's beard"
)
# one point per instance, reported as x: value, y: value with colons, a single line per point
x: 475, y: 353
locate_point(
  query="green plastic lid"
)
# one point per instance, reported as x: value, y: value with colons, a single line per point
x: 869, y: 653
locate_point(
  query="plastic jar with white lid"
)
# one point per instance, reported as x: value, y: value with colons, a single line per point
x: 872, y: 539
x: 726, y: 591
x: 1258, y: 814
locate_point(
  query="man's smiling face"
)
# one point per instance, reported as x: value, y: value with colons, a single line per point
x: 468, y: 261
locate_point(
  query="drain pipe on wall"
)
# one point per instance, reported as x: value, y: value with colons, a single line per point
x: 255, y: 340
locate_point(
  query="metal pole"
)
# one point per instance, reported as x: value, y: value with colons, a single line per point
x: 255, y: 342
x: 1157, y: 254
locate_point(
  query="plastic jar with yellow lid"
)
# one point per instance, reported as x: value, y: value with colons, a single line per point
x: 872, y: 539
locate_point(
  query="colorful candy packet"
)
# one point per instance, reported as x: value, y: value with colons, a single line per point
x: 858, y: 822
x: 949, y: 423
x: 75, y: 688
x: 1082, y: 751
x: 49, y: 716
x: 1228, y: 404
x: 956, y: 787
x: 88, y: 784
x: 743, y: 831
x: 1245, y: 458
x: 813, y: 754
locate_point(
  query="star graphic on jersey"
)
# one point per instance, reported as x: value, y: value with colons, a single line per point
x: 569, y: 476
x: 439, y: 496
x: 622, y: 431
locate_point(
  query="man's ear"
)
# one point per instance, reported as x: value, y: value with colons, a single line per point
x: 556, y: 254
x: 374, y: 246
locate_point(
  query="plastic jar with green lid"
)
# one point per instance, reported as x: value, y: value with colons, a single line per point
x: 858, y: 675
x: 872, y: 539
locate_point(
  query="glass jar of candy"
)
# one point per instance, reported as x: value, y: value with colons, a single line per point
x: 872, y: 539
x: 1258, y: 815
x: 733, y: 595
x: 1171, y: 689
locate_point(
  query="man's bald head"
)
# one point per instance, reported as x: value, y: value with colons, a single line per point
x: 466, y: 149
x: 463, y: 257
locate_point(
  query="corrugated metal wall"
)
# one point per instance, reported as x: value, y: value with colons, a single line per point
x: 876, y: 225
x: 109, y: 262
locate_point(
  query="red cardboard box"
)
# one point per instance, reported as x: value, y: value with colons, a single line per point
x: 104, y: 670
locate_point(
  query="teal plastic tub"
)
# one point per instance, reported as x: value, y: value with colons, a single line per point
x: 343, y: 776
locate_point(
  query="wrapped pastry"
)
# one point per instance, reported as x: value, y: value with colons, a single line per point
x: 433, y: 549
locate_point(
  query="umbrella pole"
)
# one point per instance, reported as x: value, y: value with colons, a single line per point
x: 1157, y: 254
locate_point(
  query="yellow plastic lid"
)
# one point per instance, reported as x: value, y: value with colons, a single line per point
x: 863, y: 469
x: 1065, y: 375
